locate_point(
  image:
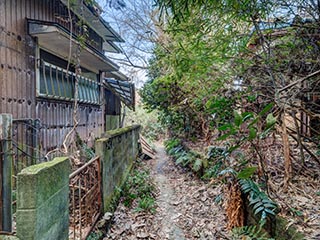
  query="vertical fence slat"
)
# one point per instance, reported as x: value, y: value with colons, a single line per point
x: 6, y: 162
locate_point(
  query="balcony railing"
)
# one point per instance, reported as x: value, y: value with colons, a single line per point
x: 58, y: 83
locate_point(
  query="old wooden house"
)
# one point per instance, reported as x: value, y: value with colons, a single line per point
x: 41, y: 43
x: 304, y: 90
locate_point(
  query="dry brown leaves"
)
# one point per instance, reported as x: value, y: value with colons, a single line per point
x: 300, y: 203
x: 186, y: 209
x: 234, y: 205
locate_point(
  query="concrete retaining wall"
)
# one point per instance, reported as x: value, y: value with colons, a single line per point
x: 117, y: 150
x: 43, y: 201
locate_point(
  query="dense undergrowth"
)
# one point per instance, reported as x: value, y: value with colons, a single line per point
x: 139, y: 191
x: 240, y: 187
x: 152, y: 129
x: 243, y: 77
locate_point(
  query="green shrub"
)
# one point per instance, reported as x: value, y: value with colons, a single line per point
x: 95, y: 235
x: 146, y: 203
x: 172, y: 143
x: 139, y: 188
x: 250, y: 233
x: 185, y: 157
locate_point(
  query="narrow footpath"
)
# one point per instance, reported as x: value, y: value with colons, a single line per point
x: 167, y: 199
x: 187, y: 208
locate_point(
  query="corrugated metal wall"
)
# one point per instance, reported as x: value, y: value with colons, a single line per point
x: 18, y: 77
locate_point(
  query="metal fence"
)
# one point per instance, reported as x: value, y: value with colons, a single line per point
x: 85, y: 191
x: 25, y: 140
x: 32, y: 141
x: 85, y: 199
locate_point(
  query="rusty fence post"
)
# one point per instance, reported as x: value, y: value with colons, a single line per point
x: 36, y: 124
x: 6, y: 171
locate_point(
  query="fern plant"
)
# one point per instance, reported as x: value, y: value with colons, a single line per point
x: 197, y: 165
x: 261, y: 204
x: 215, y: 161
x: 172, y: 143
x: 184, y: 159
x: 250, y: 233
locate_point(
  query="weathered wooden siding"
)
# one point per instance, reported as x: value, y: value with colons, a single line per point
x: 17, y: 61
x: 18, y: 75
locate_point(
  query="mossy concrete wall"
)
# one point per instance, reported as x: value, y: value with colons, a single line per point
x: 112, y: 122
x: 43, y: 201
x: 8, y: 237
x: 118, y: 150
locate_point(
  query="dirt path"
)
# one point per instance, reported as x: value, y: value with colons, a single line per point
x: 187, y: 208
x: 166, y: 198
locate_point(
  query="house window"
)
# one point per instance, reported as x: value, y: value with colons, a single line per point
x: 56, y: 82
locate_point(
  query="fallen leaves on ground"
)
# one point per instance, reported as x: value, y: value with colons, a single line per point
x: 186, y: 208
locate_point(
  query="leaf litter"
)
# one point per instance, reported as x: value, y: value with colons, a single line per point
x: 186, y: 208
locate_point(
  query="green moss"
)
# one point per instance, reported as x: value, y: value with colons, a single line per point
x: 7, y: 237
x: 34, y: 169
x: 111, y: 201
x: 120, y: 131
x: 36, y: 184
x: 117, y: 132
x: 116, y: 162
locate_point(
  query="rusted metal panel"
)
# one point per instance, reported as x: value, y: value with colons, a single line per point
x: 85, y: 199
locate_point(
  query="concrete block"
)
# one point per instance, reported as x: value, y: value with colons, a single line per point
x: 55, y: 210
x: 26, y: 224
x: 43, y: 201
x: 39, y: 182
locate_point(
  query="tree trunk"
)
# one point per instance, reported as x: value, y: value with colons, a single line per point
x: 286, y: 153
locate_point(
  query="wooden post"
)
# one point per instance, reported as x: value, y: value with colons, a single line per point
x: 6, y: 171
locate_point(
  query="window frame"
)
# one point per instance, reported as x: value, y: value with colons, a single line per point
x: 91, y: 93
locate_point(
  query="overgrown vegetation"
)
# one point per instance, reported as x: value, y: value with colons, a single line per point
x: 139, y: 191
x: 239, y: 77
x: 240, y: 188
x: 250, y: 233
x: 151, y: 128
x: 185, y: 157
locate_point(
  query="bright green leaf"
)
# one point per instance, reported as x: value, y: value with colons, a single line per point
x: 224, y: 137
x: 246, y: 173
x: 225, y: 127
x: 266, y: 109
x: 271, y: 120
x: 252, y: 133
x: 237, y: 118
